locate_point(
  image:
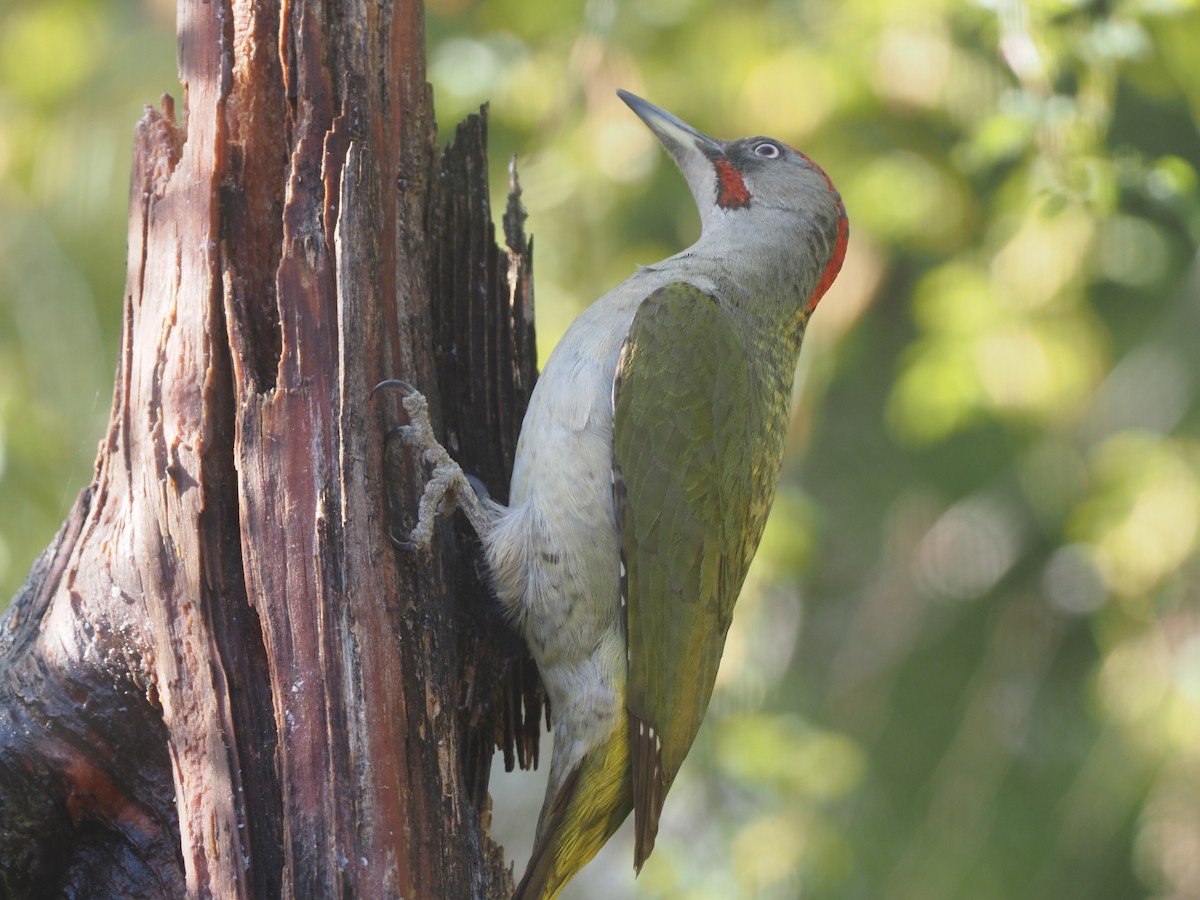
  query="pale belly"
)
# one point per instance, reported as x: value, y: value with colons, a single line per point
x: 553, y: 553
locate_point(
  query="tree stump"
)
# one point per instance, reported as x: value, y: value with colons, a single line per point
x: 221, y: 679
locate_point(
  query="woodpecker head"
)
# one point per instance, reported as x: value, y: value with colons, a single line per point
x: 751, y: 181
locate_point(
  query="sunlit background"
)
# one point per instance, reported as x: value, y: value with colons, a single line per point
x: 967, y: 661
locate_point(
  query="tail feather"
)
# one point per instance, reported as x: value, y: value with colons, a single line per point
x: 542, y: 879
x: 588, y: 807
x: 649, y: 788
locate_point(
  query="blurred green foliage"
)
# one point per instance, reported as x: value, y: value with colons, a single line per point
x: 74, y: 77
x: 967, y: 661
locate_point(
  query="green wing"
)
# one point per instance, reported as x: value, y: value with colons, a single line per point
x: 693, y: 478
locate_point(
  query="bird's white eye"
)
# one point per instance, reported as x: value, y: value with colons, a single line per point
x: 767, y: 150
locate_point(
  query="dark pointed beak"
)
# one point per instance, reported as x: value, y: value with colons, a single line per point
x: 680, y: 138
x: 694, y: 152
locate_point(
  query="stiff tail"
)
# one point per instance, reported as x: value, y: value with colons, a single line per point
x: 589, y: 805
x: 649, y: 788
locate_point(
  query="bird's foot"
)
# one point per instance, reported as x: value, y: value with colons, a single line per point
x: 448, y: 487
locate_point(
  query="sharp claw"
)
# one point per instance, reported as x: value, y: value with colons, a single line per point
x: 406, y: 546
x: 479, y: 488
x: 394, y: 384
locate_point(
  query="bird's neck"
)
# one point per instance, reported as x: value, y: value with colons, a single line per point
x: 765, y: 272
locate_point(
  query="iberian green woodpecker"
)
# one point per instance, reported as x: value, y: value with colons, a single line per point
x: 647, y: 463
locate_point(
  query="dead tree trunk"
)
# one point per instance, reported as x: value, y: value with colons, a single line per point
x: 221, y: 679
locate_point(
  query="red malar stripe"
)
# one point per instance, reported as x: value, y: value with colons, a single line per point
x: 732, y: 192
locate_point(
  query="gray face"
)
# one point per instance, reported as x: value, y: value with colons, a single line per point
x: 754, y: 188
x: 777, y: 176
x: 744, y: 173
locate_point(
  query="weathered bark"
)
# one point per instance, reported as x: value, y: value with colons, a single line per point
x: 221, y: 679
